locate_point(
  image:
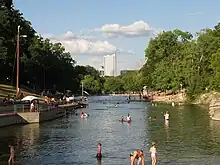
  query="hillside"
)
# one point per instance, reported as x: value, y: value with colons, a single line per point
x: 6, y: 90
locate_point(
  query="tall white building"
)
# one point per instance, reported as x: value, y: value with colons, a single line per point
x: 110, y: 65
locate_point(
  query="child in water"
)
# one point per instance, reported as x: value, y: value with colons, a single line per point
x: 12, y: 155
x: 122, y: 119
x: 99, y: 151
x: 153, y: 153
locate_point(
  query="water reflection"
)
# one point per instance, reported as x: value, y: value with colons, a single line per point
x: 215, y: 125
x: 189, y: 137
x: 166, y: 123
x: 99, y: 162
x: 22, y: 137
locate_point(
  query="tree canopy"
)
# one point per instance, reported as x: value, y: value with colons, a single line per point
x: 176, y: 57
x: 174, y: 60
x: 43, y: 64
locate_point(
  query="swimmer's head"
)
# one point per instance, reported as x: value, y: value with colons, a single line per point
x: 99, y: 144
x: 153, y: 143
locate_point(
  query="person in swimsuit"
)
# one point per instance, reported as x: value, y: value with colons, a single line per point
x: 99, y: 151
x: 166, y: 115
x: 12, y: 155
x: 129, y: 118
x: 137, y: 155
x: 153, y: 153
x: 122, y: 119
x: 82, y: 115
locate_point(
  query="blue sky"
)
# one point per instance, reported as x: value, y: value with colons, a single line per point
x: 79, y: 25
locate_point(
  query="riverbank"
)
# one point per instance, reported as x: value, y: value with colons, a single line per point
x: 24, y: 116
x: 208, y: 98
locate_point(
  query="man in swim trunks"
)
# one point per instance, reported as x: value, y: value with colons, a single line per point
x: 99, y: 151
x: 137, y: 155
x: 153, y: 153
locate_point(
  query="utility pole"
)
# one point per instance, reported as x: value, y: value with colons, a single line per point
x: 82, y: 89
x: 18, y: 61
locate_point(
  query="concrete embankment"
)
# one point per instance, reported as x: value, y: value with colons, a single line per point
x: 27, y: 117
x: 177, y: 98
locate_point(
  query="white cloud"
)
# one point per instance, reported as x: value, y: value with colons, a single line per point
x: 83, y: 44
x: 137, y: 29
x: 86, y: 45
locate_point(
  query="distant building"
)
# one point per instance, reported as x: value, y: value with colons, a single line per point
x: 125, y: 71
x: 110, y: 65
x: 101, y: 71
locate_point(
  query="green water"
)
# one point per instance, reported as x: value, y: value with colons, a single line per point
x: 189, y: 138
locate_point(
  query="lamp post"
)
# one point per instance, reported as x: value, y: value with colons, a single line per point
x: 17, y: 59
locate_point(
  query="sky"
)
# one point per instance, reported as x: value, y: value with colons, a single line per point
x: 90, y: 29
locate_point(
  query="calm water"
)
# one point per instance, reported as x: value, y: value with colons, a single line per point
x: 190, y: 137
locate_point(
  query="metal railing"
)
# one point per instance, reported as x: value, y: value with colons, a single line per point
x: 16, y: 108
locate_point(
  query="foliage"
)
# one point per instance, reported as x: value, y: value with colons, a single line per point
x: 43, y: 65
x: 174, y: 58
x: 130, y: 82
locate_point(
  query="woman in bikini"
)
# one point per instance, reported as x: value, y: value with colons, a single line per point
x: 153, y: 153
x: 99, y: 152
x: 139, y: 155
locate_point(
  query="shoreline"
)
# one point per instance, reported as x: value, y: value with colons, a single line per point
x: 43, y: 115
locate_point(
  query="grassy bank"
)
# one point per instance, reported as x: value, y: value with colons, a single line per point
x: 6, y: 90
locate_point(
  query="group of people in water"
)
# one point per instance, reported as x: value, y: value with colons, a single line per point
x: 137, y: 155
x: 166, y: 116
x: 128, y: 118
x: 84, y: 115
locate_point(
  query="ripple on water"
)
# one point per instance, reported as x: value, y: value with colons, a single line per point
x: 189, y: 138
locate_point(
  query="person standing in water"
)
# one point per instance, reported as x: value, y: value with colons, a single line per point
x: 166, y: 115
x: 12, y: 155
x: 122, y: 119
x: 99, y: 151
x: 137, y: 155
x: 153, y: 153
x: 129, y: 118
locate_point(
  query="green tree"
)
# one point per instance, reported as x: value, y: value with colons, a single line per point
x: 113, y: 84
x: 91, y: 85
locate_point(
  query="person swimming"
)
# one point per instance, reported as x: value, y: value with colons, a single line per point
x: 99, y: 151
x: 153, y: 153
x: 137, y: 155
